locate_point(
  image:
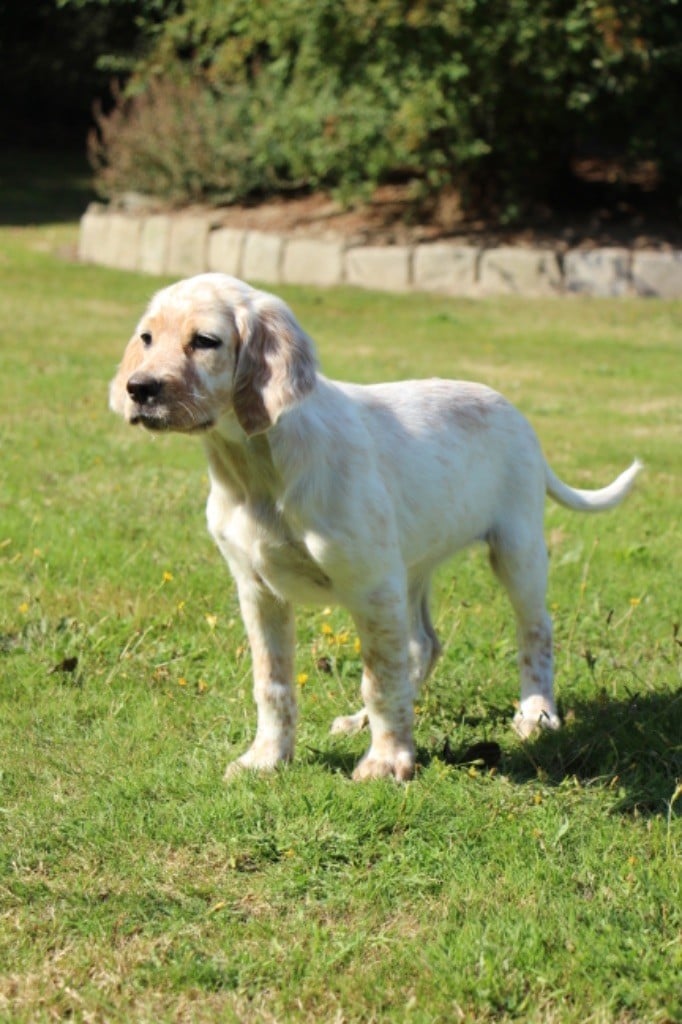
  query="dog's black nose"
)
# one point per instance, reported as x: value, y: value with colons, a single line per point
x: 143, y: 388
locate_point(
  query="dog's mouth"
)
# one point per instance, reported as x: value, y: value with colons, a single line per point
x: 159, y: 420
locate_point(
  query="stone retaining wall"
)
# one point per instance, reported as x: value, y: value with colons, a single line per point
x: 184, y: 244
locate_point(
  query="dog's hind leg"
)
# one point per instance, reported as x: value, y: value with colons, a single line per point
x: 519, y: 560
x: 424, y: 646
x: 348, y: 725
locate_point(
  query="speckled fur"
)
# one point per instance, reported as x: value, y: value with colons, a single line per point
x: 323, y: 491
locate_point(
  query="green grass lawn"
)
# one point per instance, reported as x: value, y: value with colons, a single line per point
x: 135, y: 886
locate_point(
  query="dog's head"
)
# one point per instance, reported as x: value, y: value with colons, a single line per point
x: 210, y: 346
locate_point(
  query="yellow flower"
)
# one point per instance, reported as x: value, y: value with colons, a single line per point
x: 182, y: 681
x: 23, y: 607
x: 302, y: 678
x: 212, y: 620
x: 634, y: 601
x: 342, y: 637
x: 357, y: 646
x: 167, y: 577
x: 326, y: 629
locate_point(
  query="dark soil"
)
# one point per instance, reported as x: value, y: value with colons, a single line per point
x: 600, y: 205
x: 390, y: 219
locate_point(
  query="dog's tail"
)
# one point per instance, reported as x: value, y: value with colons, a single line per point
x: 591, y: 501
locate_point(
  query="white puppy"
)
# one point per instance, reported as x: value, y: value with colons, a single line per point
x: 323, y: 491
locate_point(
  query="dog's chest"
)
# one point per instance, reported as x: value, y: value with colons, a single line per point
x: 257, y: 541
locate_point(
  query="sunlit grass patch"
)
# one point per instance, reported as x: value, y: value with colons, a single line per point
x: 539, y: 884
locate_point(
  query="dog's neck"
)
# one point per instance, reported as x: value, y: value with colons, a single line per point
x: 277, y: 466
x: 241, y: 465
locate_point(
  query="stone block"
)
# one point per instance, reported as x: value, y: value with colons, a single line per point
x: 225, y: 250
x: 93, y: 235
x: 508, y: 270
x: 386, y: 268
x: 123, y: 248
x: 262, y: 257
x: 154, y: 243
x: 658, y: 274
x: 600, y: 272
x: 311, y: 261
x: 446, y: 268
x: 188, y: 245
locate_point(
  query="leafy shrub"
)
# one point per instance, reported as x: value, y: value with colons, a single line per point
x: 182, y: 141
x: 494, y: 96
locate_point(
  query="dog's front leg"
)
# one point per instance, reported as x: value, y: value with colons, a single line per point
x: 270, y: 628
x: 388, y: 696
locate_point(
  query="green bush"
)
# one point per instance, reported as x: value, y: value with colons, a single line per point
x: 182, y: 141
x: 492, y: 96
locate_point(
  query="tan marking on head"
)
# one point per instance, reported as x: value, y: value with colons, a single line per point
x: 196, y: 382
x: 265, y: 365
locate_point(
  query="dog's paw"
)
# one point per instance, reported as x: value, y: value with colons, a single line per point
x: 527, y: 724
x: 258, y: 758
x: 398, y: 763
x: 348, y: 725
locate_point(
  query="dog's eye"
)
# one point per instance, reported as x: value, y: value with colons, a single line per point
x: 202, y: 341
x: 146, y: 338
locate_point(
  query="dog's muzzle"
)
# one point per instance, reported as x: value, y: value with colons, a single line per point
x: 146, y: 392
x: 144, y: 388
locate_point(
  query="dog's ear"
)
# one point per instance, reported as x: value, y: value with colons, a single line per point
x: 276, y: 363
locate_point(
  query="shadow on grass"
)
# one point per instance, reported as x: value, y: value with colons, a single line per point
x: 43, y: 187
x: 632, y: 746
